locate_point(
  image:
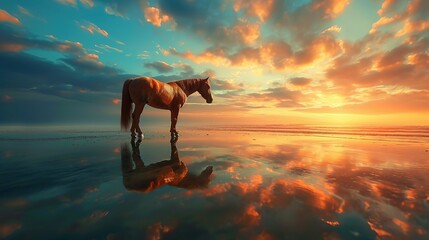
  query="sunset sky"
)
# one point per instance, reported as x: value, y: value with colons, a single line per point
x: 346, y: 62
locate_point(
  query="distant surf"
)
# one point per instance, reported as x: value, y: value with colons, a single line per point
x: 417, y: 132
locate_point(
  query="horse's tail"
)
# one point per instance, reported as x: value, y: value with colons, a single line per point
x: 126, y: 105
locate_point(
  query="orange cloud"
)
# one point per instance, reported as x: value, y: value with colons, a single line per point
x: 87, y: 3
x: 413, y: 26
x: 11, y: 47
x: 7, y: 98
x: 68, y: 46
x: 399, y: 103
x: 91, y: 57
x: 418, y: 7
x: 7, y: 17
x: 334, y: 28
x: 401, y: 66
x: 259, y: 8
x: 413, y: 22
x: 330, y: 8
x: 67, y: 2
x: 387, y: 6
x: 275, y: 54
x: 154, y: 16
x: 382, y: 22
x: 250, y: 216
x: 8, y: 229
x: 116, y: 101
x: 322, y: 47
x: 248, y: 33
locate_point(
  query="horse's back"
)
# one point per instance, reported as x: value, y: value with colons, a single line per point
x: 145, y: 82
x: 151, y: 91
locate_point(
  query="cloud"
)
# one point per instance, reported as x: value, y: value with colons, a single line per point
x: 412, y: 27
x: 216, y: 56
x: 399, y: 103
x: 411, y: 15
x: 334, y: 28
x: 280, y: 97
x: 248, y: 33
x: 300, y: 81
x: 186, y: 70
x: 113, y: 11
x: 417, y: 9
x: 312, y: 16
x: 77, y: 57
x: 87, y: 3
x: 143, y: 55
x: 85, y: 73
x: 319, y: 48
x: 388, y: 7
x: 404, y: 65
x: 161, y: 67
x: 89, y: 64
x: 120, y: 43
x: 330, y: 8
x: 14, y: 41
x: 217, y: 84
x: 7, y: 17
x: 154, y: 16
x: 120, y: 8
x: 53, y: 92
x: 41, y: 75
x: 276, y: 54
x: 383, y: 21
x: 68, y: 2
x: 24, y: 11
x: 108, y: 48
x: 92, y: 28
x: 217, y: 29
x: 256, y: 8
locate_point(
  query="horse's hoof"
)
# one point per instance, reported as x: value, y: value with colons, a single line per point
x: 140, y: 136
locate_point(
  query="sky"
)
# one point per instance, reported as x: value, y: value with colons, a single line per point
x: 316, y: 62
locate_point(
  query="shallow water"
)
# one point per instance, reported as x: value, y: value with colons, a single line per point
x: 262, y: 185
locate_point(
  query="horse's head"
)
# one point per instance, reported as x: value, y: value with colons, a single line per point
x: 204, y: 90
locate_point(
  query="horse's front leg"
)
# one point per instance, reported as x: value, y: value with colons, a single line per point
x: 174, y: 117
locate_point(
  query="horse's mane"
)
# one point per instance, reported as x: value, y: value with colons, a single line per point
x: 188, y: 85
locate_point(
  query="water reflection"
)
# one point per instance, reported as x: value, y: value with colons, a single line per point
x: 139, y: 177
x: 266, y: 187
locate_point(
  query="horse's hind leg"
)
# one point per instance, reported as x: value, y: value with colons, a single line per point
x: 138, y: 109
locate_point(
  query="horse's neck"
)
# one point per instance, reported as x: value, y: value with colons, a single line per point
x: 189, y: 86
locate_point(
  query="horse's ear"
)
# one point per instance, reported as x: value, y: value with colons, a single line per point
x: 206, y: 79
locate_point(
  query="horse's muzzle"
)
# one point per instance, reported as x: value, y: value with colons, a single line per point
x: 209, y: 100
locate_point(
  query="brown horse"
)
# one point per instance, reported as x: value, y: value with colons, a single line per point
x: 169, y: 96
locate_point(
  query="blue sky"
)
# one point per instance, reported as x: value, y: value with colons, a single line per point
x: 274, y: 61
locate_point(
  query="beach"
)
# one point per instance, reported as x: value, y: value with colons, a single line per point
x: 248, y: 182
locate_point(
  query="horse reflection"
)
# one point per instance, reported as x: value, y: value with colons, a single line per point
x: 138, y: 177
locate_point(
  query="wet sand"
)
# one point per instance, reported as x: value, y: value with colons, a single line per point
x: 215, y: 184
